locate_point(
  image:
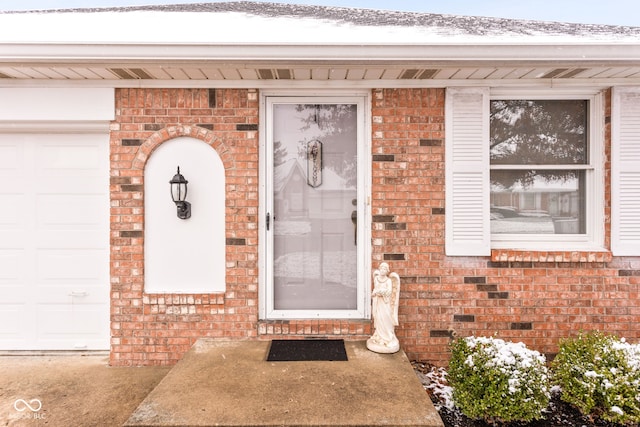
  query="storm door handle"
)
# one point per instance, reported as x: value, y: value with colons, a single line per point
x: 354, y: 220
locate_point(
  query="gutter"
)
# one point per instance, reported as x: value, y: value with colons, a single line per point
x: 461, y: 54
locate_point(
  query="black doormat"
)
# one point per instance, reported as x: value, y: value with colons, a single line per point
x: 306, y: 350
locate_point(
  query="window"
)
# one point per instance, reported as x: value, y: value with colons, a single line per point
x: 539, y: 154
x: 524, y: 171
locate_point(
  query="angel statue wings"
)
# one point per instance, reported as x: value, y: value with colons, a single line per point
x: 385, y: 298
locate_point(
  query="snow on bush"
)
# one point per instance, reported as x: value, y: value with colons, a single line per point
x: 600, y: 375
x: 498, y: 381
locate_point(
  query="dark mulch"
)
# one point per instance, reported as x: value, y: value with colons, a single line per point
x: 558, y: 414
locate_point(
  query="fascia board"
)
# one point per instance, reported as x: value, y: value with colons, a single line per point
x: 435, y: 54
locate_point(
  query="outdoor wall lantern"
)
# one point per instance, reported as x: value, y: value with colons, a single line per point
x: 179, y: 195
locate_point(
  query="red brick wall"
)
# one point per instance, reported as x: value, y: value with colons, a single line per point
x: 408, y: 212
x: 534, y: 297
x: 157, y: 329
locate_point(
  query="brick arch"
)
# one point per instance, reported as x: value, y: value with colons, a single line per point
x: 172, y: 132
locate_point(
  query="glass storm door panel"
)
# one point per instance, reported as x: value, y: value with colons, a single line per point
x: 313, y: 218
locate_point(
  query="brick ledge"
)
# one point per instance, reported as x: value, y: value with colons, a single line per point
x: 508, y: 255
x: 315, y: 327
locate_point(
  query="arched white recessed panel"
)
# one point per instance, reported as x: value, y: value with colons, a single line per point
x: 185, y: 255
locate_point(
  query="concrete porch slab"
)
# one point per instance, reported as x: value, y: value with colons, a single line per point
x: 230, y: 383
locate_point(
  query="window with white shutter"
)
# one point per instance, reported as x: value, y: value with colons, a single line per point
x: 625, y: 171
x: 524, y: 170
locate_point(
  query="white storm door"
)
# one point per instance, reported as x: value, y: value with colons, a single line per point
x: 315, y: 208
x: 54, y: 241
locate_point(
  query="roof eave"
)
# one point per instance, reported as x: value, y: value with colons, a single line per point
x: 436, y: 53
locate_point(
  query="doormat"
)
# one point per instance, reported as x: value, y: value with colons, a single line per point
x: 306, y: 350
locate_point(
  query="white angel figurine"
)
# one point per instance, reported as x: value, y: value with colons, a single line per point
x: 385, y: 300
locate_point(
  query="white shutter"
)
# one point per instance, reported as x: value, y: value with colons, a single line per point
x: 468, y: 230
x: 625, y: 171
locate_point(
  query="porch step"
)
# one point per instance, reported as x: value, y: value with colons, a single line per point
x: 230, y: 383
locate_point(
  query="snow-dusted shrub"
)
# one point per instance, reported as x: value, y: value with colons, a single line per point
x: 498, y: 381
x: 600, y: 375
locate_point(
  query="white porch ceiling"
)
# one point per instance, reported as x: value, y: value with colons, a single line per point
x: 261, y: 75
x: 256, y: 65
x: 375, y: 76
x: 297, y: 72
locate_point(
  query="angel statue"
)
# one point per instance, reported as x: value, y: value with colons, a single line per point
x: 385, y: 299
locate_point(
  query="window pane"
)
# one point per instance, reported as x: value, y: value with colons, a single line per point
x: 538, y: 132
x: 314, y: 196
x: 537, y: 202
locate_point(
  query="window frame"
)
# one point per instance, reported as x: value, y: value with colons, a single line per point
x: 593, y: 238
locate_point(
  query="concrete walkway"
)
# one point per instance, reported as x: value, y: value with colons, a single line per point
x: 230, y: 383
x: 71, y: 389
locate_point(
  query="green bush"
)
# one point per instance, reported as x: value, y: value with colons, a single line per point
x: 600, y: 375
x: 498, y: 381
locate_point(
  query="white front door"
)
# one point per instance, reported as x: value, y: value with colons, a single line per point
x: 315, y: 208
x: 54, y: 241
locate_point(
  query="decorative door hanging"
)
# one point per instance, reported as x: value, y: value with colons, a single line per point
x: 314, y: 163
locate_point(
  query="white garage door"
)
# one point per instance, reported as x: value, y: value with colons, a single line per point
x: 54, y: 241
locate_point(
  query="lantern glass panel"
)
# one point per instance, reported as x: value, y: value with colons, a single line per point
x: 178, y: 192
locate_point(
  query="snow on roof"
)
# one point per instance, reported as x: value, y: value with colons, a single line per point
x: 257, y: 22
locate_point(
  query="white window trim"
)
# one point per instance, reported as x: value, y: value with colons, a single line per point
x: 593, y: 240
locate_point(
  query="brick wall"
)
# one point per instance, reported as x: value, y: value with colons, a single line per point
x: 408, y: 212
x: 157, y: 329
x: 534, y: 297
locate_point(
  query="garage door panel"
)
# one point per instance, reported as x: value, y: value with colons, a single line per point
x: 70, y: 265
x: 83, y: 185
x: 11, y: 155
x: 15, y: 326
x: 54, y: 247
x: 13, y: 267
x: 70, y: 211
x: 12, y: 239
x: 70, y: 326
x: 12, y: 213
x: 71, y: 157
x: 15, y: 294
x: 15, y: 277
x: 66, y: 277
x: 78, y: 295
x: 71, y: 239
